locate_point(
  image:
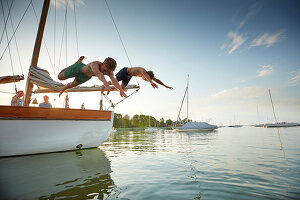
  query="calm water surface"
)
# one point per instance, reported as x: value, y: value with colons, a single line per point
x: 230, y: 163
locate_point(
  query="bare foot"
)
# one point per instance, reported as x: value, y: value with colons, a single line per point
x: 80, y: 59
x: 60, y: 93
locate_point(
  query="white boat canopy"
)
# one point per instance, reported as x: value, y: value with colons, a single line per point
x: 197, y: 125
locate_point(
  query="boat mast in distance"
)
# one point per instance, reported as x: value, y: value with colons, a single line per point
x: 273, y: 107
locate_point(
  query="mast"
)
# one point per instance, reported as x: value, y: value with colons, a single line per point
x: 187, y: 100
x: 36, y: 50
x: 257, y: 115
x: 272, y: 106
x: 182, y: 101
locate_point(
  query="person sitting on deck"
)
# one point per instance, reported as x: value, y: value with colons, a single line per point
x: 17, y: 99
x: 46, y: 103
x: 125, y: 75
x: 83, y: 73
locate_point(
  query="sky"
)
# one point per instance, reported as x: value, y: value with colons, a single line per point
x: 233, y: 51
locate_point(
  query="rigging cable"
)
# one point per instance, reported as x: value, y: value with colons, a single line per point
x: 16, y: 42
x: 61, y: 44
x: 44, y: 41
x: 5, y: 23
x: 15, y: 30
x: 54, y: 40
x: 120, y: 36
x: 76, y: 28
x: 66, y: 18
x: 11, y: 63
x: 62, y: 39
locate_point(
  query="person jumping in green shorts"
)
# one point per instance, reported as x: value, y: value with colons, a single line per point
x: 83, y: 73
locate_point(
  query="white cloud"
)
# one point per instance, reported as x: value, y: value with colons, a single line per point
x: 295, y: 80
x: 267, y: 39
x: 237, y: 41
x: 62, y: 3
x: 239, y: 93
x: 265, y: 70
x: 255, y: 8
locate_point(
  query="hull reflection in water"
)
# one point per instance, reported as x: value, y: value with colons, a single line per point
x: 77, y: 175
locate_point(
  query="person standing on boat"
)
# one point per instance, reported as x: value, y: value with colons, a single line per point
x: 46, y: 103
x: 125, y: 75
x: 83, y: 73
x: 17, y: 99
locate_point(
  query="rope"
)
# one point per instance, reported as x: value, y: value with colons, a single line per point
x: 127, y: 97
x: 16, y: 42
x: 5, y: 20
x: 44, y: 41
x: 114, y: 105
x: 61, y: 44
x: 11, y: 63
x: 15, y: 30
x: 54, y: 40
x: 66, y: 18
x: 76, y: 28
x: 62, y: 40
x: 120, y: 37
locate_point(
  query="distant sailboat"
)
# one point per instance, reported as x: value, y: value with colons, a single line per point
x: 191, y: 126
x: 151, y: 129
x: 278, y: 124
x: 259, y: 124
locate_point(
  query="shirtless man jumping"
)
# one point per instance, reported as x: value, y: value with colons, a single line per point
x: 126, y: 74
x: 83, y: 73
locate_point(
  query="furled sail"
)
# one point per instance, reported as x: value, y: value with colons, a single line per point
x: 46, y: 84
x: 11, y: 79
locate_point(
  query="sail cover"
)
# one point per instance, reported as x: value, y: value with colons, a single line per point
x: 11, y: 79
x: 197, y: 125
x: 46, y: 84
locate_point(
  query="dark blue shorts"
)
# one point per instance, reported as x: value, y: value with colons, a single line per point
x: 123, y: 76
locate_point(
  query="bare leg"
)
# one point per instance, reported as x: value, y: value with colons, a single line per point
x: 68, y: 86
x: 61, y: 75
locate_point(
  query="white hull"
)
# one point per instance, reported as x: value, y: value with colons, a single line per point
x: 193, y: 130
x: 281, y: 125
x: 151, y: 130
x: 32, y: 136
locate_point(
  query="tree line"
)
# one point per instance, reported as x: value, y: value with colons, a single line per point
x: 139, y: 121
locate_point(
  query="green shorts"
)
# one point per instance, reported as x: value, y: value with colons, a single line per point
x: 75, y: 71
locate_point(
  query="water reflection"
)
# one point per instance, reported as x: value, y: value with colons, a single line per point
x: 77, y: 175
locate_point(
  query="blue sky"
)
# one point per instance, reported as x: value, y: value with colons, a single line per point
x: 234, y: 51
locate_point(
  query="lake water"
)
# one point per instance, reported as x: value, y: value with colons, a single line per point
x: 230, y: 163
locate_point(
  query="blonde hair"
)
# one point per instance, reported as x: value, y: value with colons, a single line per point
x: 110, y: 63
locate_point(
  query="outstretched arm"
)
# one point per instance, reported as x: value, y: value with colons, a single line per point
x: 95, y: 69
x: 148, y: 78
x: 161, y: 83
x: 68, y: 86
x: 115, y: 82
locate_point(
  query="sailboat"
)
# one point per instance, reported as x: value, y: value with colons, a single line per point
x: 278, y: 124
x: 33, y: 130
x: 191, y: 126
x: 151, y: 129
x: 259, y: 124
